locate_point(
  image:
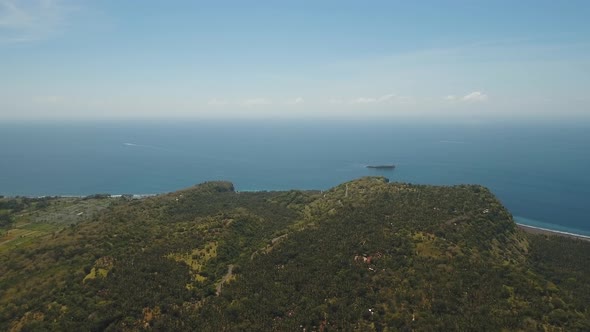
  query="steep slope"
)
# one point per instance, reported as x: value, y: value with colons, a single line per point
x: 374, y: 255
x: 365, y: 255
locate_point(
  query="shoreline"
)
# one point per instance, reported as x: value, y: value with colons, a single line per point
x: 136, y: 196
x: 544, y: 231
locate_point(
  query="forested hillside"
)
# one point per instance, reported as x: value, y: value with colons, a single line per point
x: 365, y: 255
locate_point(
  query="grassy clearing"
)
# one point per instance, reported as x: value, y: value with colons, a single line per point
x: 425, y: 245
x: 70, y: 210
x: 101, y: 268
x: 34, y: 223
x: 22, y: 237
x: 39, y: 227
x: 96, y: 272
x: 196, y: 259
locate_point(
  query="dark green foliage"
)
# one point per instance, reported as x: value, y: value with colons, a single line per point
x: 97, y: 196
x: 14, y: 204
x: 5, y: 220
x: 366, y: 255
x: 19, y: 204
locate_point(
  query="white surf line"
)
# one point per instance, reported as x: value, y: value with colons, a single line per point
x: 554, y: 231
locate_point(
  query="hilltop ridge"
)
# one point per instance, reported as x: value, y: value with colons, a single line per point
x: 365, y: 255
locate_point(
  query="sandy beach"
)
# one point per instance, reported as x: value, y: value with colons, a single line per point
x: 538, y: 230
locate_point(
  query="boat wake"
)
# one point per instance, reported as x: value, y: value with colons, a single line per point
x: 452, y: 142
x: 143, y: 146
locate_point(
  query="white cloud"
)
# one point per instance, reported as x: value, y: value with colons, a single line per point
x: 298, y: 100
x: 364, y: 100
x: 217, y: 102
x: 386, y: 98
x: 405, y: 100
x: 335, y: 101
x: 24, y: 21
x: 256, y: 102
x: 12, y: 17
x: 475, y: 96
x: 389, y: 98
x: 51, y: 99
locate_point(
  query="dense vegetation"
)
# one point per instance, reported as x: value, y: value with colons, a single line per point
x: 366, y: 255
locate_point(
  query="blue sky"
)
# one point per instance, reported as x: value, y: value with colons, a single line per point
x: 453, y: 60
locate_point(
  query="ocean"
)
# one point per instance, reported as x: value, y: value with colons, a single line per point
x: 540, y: 172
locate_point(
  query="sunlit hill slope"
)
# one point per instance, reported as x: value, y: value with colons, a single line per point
x: 365, y: 255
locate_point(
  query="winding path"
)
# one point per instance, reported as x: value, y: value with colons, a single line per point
x: 225, y: 278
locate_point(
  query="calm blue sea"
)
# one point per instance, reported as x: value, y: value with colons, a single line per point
x: 540, y: 172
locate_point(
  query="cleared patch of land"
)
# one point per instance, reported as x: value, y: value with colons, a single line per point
x: 48, y: 219
x: 225, y: 279
x: 196, y: 259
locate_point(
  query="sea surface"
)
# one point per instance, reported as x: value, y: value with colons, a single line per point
x: 540, y: 172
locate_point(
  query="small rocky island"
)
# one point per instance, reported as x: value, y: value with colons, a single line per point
x: 381, y: 166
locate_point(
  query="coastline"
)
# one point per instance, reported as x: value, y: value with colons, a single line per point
x: 82, y: 196
x: 545, y: 231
